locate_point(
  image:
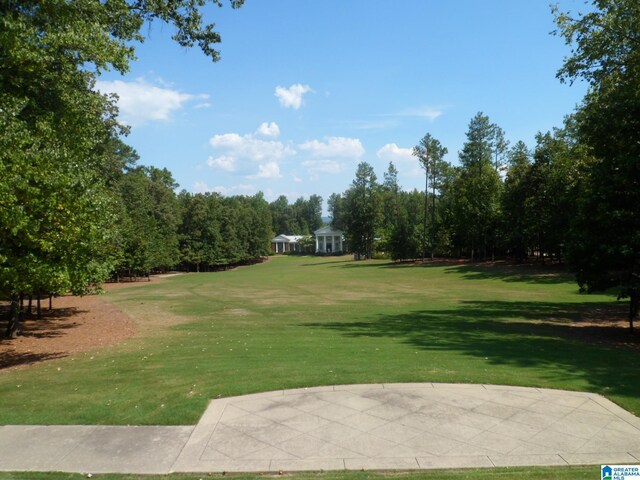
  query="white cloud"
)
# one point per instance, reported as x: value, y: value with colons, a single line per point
x: 323, y: 166
x: 269, y: 129
x: 200, y: 187
x: 393, y: 152
x: 430, y: 113
x: 235, y: 147
x: 223, y: 162
x: 267, y: 170
x: 373, y: 124
x: 296, y: 178
x: 333, y: 147
x: 141, y: 102
x: 292, y: 97
x: 242, y: 189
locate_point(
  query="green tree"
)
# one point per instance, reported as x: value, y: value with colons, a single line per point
x: 430, y: 153
x: 56, y: 212
x: 152, y: 218
x: 389, y: 192
x: 605, y: 247
x: 363, y: 211
x: 283, y: 217
x: 193, y: 229
x: 478, y: 190
x: 404, y: 240
x: 551, y: 197
x: 313, y: 213
x: 307, y: 243
x: 499, y: 146
x: 259, y: 227
x: 514, y: 214
x: 57, y: 133
x: 337, y: 211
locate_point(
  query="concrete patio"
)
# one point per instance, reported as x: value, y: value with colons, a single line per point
x: 379, y: 426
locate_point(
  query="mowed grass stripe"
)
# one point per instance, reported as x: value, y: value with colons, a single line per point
x: 305, y: 321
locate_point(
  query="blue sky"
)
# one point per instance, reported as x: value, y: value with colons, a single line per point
x: 307, y: 89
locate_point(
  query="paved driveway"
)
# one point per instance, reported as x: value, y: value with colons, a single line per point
x: 380, y: 426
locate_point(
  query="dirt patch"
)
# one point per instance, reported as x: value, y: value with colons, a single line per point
x: 607, y: 326
x: 75, y: 324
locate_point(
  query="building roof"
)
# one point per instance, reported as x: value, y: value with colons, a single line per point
x: 328, y: 231
x: 287, y: 238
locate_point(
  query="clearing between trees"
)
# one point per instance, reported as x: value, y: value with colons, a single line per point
x: 306, y: 321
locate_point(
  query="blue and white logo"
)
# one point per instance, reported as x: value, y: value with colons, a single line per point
x: 607, y: 472
x: 620, y: 472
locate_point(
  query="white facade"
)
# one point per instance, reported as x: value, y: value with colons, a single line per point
x: 329, y: 240
x: 286, y: 243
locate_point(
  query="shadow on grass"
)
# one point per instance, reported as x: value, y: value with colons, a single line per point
x: 15, y: 359
x: 342, y: 261
x: 525, y: 273
x: 561, y: 340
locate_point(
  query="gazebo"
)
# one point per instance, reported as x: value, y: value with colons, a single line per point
x: 329, y: 240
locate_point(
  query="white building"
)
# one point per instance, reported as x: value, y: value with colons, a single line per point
x: 329, y: 240
x: 286, y: 243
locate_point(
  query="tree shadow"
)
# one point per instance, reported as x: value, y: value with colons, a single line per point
x: 53, y: 323
x: 370, y: 264
x: 319, y: 264
x: 10, y: 359
x: 563, y: 340
x: 526, y: 273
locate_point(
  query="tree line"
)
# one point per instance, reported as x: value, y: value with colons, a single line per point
x: 498, y: 202
x: 574, y: 196
x: 75, y: 208
x: 63, y: 212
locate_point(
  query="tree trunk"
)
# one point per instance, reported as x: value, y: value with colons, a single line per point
x: 15, y: 316
x: 634, y: 306
x: 50, y: 302
x: 484, y: 247
x: 426, y: 211
x: 433, y: 218
x: 38, y: 306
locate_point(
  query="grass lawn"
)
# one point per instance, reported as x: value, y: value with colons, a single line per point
x: 304, y: 321
x: 518, y: 473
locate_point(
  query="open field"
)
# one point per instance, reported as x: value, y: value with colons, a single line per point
x: 296, y: 322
